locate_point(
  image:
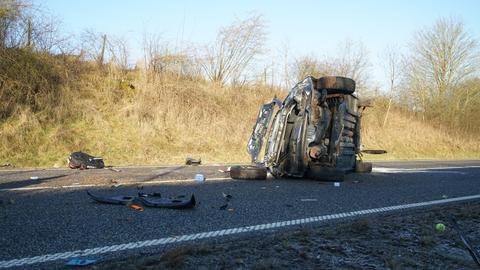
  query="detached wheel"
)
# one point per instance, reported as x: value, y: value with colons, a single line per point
x: 363, y: 167
x: 248, y: 172
x: 336, y: 85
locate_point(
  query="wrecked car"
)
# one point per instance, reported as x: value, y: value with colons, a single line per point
x: 315, y: 133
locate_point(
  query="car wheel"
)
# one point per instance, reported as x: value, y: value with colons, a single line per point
x: 336, y: 85
x: 248, y: 172
x: 363, y: 167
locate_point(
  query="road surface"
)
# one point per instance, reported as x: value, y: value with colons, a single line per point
x: 49, y: 220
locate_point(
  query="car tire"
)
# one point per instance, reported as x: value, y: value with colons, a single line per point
x: 363, y: 167
x: 248, y: 172
x: 336, y: 85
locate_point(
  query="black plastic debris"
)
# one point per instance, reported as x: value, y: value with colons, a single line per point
x: 227, y: 198
x: 172, y: 203
x: 82, y: 161
x: 112, y: 199
x: 149, y: 200
x: 192, y: 161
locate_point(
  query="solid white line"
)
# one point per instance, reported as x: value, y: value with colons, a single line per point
x: 238, y: 230
x: 421, y: 170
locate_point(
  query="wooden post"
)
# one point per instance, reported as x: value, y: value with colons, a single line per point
x: 29, y: 33
x: 102, y: 52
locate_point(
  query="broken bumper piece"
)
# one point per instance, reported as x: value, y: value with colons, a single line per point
x: 149, y: 200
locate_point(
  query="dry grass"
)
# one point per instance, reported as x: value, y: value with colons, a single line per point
x: 166, y: 118
x: 406, y: 136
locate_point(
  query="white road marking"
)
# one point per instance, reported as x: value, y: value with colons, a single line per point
x: 218, y: 233
x: 107, y: 185
x: 445, y: 170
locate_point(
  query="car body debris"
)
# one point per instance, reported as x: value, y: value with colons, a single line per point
x: 227, y: 198
x: 193, y: 161
x: 147, y: 199
x: 82, y: 161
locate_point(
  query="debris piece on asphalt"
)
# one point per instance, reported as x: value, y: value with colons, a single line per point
x: 230, y: 209
x: 171, y: 203
x: 226, y: 170
x: 112, y: 199
x: 33, y: 177
x: 263, y: 188
x: 137, y: 207
x: 148, y: 199
x: 336, y: 184
x: 82, y: 161
x: 227, y: 196
x: 81, y: 262
x: 308, y: 200
x: 444, y: 196
x: 111, y: 168
x: 192, y: 161
x: 154, y: 194
x: 440, y: 227
x: 199, y: 177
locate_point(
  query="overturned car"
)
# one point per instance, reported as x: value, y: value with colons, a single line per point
x: 315, y: 133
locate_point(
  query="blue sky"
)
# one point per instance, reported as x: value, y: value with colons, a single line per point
x: 308, y: 27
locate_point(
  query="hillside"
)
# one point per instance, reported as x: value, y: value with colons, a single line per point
x: 52, y: 106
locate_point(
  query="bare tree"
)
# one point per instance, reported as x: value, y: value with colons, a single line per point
x: 352, y: 61
x: 234, y: 49
x: 392, y: 61
x: 442, y: 56
x: 11, y: 14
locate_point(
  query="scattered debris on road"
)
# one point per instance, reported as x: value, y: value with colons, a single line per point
x: 192, y: 161
x: 136, y: 207
x: 33, y: 177
x: 308, y: 200
x: 82, y: 161
x: 227, y: 198
x: 227, y: 170
x: 125, y: 200
x: 81, y: 262
x: 200, y: 177
x: 336, y: 184
x: 147, y: 199
x: 155, y: 200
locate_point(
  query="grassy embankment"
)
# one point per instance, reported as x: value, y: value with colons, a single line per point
x: 51, y: 106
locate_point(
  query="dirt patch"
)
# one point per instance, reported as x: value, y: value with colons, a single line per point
x: 404, y: 240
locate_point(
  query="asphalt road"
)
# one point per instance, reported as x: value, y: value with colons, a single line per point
x: 53, y: 214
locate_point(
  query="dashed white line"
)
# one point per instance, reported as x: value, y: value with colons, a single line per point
x: 230, y: 231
